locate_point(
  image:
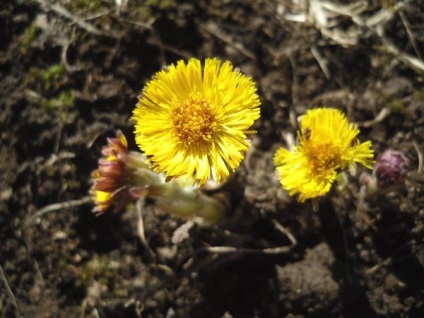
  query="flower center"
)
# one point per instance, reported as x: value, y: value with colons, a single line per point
x: 325, y: 157
x: 194, y: 122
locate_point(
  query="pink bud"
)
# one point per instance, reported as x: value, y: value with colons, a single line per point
x: 391, y: 168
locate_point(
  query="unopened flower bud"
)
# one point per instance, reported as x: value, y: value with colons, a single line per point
x: 389, y: 173
x: 391, y: 168
x: 124, y: 176
x: 120, y: 172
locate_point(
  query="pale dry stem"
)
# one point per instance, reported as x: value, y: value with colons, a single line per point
x: 377, y: 119
x: 265, y: 251
x: 59, y: 206
x: 61, y: 11
x: 326, y: 16
x: 10, y: 292
x: 216, y: 31
x: 140, y: 229
x: 420, y: 158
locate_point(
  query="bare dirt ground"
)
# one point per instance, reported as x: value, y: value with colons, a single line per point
x: 70, y: 73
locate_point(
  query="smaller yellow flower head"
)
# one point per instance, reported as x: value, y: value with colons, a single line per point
x: 110, y: 177
x: 327, y: 145
x: 192, y: 119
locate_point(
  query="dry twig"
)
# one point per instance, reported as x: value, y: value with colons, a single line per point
x: 214, y: 29
x: 410, y: 34
x: 322, y: 62
x: 377, y: 119
x: 59, y: 206
x: 327, y: 16
x: 61, y: 11
x: 10, y: 292
x: 140, y: 229
x: 413, y: 62
x: 266, y: 251
x: 420, y: 157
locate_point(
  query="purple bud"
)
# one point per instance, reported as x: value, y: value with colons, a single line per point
x: 391, y: 168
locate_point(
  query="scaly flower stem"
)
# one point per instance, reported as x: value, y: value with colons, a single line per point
x: 187, y: 202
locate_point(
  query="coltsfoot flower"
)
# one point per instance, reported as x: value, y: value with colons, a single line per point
x: 121, y: 172
x: 192, y: 120
x: 124, y: 176
x: 328, y: 144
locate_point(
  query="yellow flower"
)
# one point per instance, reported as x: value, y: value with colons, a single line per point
x: 193, y: 120
x: 327, y: 145
x: 109, y: 180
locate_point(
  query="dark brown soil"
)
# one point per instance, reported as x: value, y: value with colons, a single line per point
x: 70, y: 73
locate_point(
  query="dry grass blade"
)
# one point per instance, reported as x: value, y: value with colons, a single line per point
x: 266, y: 251
x: 420, y: 155
x: 10, y: 292
x: 140, y: 229
x: 59, y: 206
x: 215, y: 30
x: 413, y: 62
x: 410, y: 34
x: 61, y: 11
x: 377, y: 119
x: 328, y: 16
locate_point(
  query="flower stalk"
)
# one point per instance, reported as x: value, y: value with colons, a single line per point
x: 187, y: 202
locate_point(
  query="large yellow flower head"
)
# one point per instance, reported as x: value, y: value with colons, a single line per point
x: 192, y: 120
x: 327, y: 145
